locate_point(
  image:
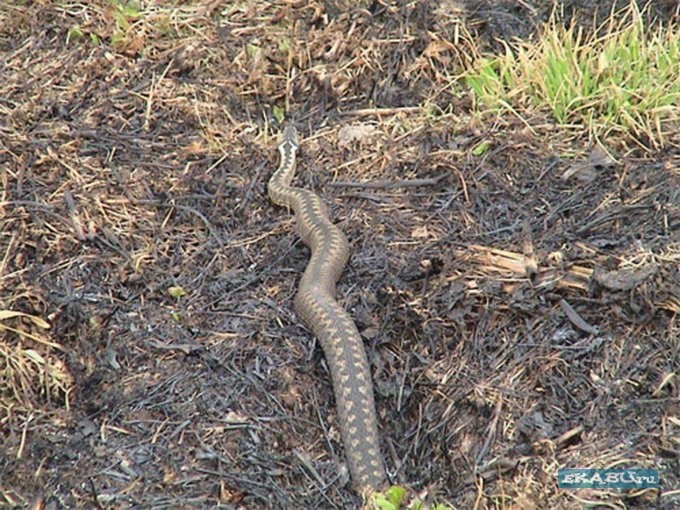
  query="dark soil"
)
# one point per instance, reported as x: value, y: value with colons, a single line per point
x: 516, y: 321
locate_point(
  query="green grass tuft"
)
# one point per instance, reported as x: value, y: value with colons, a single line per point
x: 623, y: 79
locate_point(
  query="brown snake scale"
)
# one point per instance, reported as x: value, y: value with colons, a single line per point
x: 315, y: 304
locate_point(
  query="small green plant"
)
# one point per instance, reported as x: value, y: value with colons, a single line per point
x: 177, y: 292
x: 279, y: 113
x: 75, y: 34
x: 391, y: 499
x: 394, y: 498
x: 126, y: 10
x: 623, y: 78
x: 253, y: 50
x: 481, y: 148
x: 284, y: 45
x: 124, y: 13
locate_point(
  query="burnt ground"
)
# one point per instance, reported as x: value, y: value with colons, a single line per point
x: 516, y: 321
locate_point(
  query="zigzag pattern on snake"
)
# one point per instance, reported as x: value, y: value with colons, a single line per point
x: 315, y: 304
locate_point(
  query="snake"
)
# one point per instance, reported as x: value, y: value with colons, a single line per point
x: 316, y: 306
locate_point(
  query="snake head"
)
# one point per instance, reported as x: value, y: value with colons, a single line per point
x: 290, y: 136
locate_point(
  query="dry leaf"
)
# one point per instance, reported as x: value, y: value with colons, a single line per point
x: 8, y: 314
x: 420, y: 232
x: 353, y: 133
x: 598, y: 159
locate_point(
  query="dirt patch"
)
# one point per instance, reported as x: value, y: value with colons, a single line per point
x: 517, y: 320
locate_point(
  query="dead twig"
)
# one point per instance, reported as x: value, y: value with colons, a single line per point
x: 406, y: 183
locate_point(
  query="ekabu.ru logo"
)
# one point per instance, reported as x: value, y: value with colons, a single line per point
x: 631, y: 478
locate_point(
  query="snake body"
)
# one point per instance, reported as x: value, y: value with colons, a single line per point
x: 315, y: 304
